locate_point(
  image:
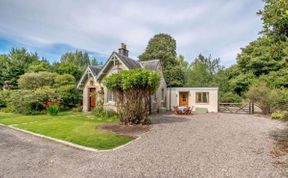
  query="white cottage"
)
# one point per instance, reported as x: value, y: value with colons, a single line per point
x: 198, y: 98
x: 94, y: 90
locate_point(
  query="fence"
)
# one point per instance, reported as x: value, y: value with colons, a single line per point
x: 237, y: 108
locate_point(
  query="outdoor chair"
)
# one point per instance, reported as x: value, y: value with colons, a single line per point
x: 188, y: 110
x: 176, y: 110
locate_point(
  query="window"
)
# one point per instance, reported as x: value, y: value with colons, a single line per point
x: 115, y: 70
x: 110, y: 97
x: 162, y: 94
x: 202, y: 97
x: 184, y: 97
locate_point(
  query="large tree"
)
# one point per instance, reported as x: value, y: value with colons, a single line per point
x: 77, y: 58
x: 15, y: 64
x: 202, y: 71
x: 262, y: 56
x: 163, y: 47
x: 2, y: 65
x: 67, y: 68
x: 267, y: 57
x: 275, y: 18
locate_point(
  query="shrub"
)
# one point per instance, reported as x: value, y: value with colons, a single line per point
x: 4, y: 97
x: 6, y: 110
x: 104, y: 114
x: 280, y: 115
x: 53, y: 110
x: 65, y: 86
x: 65, y: 79
x: 36, y: 80
x: 277, y: 115
x: 24, y: 102
x: 285, y: 116
x: 69, y: 96
x: 280, y: 99
x: 262, y: 95
x: 67, y: 68
x: 30, y: 101
x: 230, y: 98
x: 78, y: 108
x: 133, y: 89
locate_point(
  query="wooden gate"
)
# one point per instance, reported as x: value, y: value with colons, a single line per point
x: 237, y: 108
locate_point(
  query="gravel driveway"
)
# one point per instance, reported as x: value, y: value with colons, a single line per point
x: 208, y: 145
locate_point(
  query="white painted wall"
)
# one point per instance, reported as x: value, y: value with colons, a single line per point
x: 173, y: 98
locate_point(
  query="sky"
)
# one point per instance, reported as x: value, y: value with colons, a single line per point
x: 216, y: 27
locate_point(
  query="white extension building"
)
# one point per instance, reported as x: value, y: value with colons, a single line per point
x: 198, y: 97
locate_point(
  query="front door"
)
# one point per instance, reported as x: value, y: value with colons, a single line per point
x: 92, y: 98
x: 183, y: 99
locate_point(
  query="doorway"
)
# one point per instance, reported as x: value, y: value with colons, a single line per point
x: 92, y: 98
x: 183, y: 98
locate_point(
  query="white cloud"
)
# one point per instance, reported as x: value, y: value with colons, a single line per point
x: 217, y: 27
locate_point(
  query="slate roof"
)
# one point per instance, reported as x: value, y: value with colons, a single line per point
x: 95, y: 69
x: 130, y: 63
x: 152, y: 65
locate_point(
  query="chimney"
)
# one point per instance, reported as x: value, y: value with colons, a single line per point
x: 123, y: 50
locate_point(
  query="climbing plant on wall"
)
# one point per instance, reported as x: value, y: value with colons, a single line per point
x: 133, y: 89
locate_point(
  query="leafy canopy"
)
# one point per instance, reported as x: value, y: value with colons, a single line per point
x: 77, y: 58
x: 36, y: 80
x: 163, y: 47
x: 13, y: 65
x: 202, y: 71
x: 275, y: 17
x: 266, y: 58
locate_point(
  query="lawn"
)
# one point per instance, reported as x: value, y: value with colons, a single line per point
x: 79, y: 128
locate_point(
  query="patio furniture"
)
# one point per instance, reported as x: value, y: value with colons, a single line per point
x: 188, y: 110
x: 182, y: 108
x: 177, y: 110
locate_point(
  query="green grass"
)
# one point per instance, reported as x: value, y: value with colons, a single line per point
x: 73, y: 127
x: 10, y: 119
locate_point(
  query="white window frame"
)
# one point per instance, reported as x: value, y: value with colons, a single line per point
x: 201, y: 102
x: 115, y: 70
x: 110, y: 100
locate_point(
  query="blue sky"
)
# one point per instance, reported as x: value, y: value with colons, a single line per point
x: 216, y: 27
